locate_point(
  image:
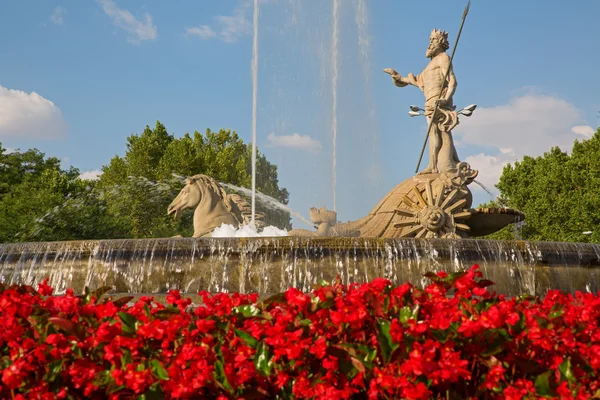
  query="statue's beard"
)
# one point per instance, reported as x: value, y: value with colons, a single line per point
x: 432, y: 52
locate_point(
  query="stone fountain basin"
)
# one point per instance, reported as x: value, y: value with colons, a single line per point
x: 271, y: 265
x: 485, y: 221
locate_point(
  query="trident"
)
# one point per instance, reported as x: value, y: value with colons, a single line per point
x: 444, y: 80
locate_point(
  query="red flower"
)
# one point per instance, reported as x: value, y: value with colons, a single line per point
x: 205, y: 325
x: 513, y: 318
x: 494, y: 376
x: 136, y: 380
x: 44, y: 289
x: 339, y: 341
x: 319, y: 347
x: 12, y: 377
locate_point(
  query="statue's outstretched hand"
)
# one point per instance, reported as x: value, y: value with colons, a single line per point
x: 391, y: 71
x: 396, y: 78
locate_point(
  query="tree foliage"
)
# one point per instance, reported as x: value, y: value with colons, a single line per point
x: 41, y: 201
x: 35, y: 193
x: 557, y: 192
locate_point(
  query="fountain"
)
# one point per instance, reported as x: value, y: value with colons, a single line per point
x: 436, y: 203
x: 425, y: 223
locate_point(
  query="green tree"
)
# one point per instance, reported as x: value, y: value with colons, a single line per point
x: 38, y: 199
x: 557, y: 192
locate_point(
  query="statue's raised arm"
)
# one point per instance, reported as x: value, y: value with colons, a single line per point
x: 401, y: 81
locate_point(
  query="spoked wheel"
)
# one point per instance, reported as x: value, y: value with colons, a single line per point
x: 434, y: 214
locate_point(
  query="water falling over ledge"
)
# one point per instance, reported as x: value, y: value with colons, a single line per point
x: 270, y: 265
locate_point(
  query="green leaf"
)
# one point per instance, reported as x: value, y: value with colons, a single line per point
x: 384, y: 338
x: 126, y: 357
x: 67, y: 326
x: 555, y: 314
x: 165, y: 314
x: 246, y: 337
x: 358, y: 364
x: 101, y: 291
x: 116, y: 389
x: 248, y: 310
x: 433, y: 276
x: 262, y: 359
x: 556, y: 311
x: 103, y: 378
x: 338, y: 351
x: 542, y: 384
x: 276, y: 298
x: 565, y: 370
x: 129, y: 322
x: 120, y: 302
x: 440, y: 335
x: 86, y: 296
x: 405, y: 314
x: 485, y: 283
x: 220, y: 375
x: 153, y: 393
x: 497, y: 344
x: 450, y: 279
x: 159, y: 371
x: 366, y: 354
x: 54, y: 369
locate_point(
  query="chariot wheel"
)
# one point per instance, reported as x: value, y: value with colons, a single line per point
x: 434, y: 214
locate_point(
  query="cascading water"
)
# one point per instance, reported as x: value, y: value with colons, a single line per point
x: 270, y: 265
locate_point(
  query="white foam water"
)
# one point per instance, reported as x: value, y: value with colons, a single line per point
x: 250, y: 230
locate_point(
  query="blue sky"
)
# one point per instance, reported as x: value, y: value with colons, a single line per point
x: 77, y: 77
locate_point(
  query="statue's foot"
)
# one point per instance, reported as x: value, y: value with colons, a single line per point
x: 428, y: 170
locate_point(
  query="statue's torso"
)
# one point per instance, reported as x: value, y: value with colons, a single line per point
x: 433, y: 77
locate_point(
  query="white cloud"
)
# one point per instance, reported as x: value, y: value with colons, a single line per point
x: 203, y: 31
x: 138, y: 29
x: 490, y: 169
x: 232, y: 27
x: 229, y: 28
x: 29, y: 115
x: 528, y: 125
x: 584, y: 130
x: 58, y: 15
x: 294, y: 141
x: 90, y: 175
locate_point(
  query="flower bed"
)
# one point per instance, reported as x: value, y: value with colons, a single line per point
x: 454, y: 339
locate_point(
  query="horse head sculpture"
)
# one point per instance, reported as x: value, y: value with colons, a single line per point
x: 212, y: 206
